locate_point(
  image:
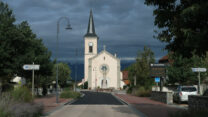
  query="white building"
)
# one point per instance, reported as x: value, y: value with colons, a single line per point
x: 101, y: 69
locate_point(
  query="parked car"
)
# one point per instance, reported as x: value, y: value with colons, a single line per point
x: 182, y: 93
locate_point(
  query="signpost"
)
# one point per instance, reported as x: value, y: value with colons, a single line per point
x: 199, y: 70
x: 158, y: 71
x: 157, y: 80
x: 32, y: 67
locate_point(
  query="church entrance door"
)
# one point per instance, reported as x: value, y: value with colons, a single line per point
x: 104, y: 83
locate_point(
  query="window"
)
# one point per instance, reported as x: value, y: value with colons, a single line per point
x: 90, y: 49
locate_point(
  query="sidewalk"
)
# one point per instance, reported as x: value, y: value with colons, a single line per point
x: 149, y: 107
x: 49, y: 103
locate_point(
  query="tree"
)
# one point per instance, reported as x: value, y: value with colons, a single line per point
x: 183, y: 24
x: 131, y: 73
x: 180, y: 70
x: 141, y: 69
x: 19, y: 46
x: 143, y: 61
x: 7, y: 30
x: 63, y: 74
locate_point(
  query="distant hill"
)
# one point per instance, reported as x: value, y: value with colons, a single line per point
x: 80, y: 69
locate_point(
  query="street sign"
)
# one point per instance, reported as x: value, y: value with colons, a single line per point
x: 157, y: 79
x: 157, y: 65
x: 157, y: 70
x: 31, y: 67
x: 199, y: 69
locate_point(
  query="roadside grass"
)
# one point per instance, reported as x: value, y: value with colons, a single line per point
x: 190, y: 113
x: 19, y: 103
x: 66, y: 93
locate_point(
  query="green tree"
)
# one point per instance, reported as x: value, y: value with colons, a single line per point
x: 180, y: 70
x: 143, y: 67
x: 7, y: 31
x: 182, y: 24
x: 63, y: 74
x: 19, y: 46
x: 131, y: 73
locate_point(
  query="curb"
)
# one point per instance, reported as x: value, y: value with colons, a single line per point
x: 56, y: 108
x: 140, y: 114
x: 72, y: 101
x: 61, y: 106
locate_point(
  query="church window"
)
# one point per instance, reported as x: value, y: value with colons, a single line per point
x: 90, y: 47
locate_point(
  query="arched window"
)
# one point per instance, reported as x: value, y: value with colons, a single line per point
x: 90, y: 47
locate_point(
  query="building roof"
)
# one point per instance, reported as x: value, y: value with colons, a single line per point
x: 91, y: 27
x: 125, y: 75
x: 164, y: 59
x: 104, y: 51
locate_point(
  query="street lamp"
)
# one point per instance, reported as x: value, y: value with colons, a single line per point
x: 68, y: 27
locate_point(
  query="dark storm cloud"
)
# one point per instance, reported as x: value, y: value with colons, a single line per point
x: 124, y: 26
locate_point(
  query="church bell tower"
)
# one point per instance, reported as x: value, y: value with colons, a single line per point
x: 90, y: 45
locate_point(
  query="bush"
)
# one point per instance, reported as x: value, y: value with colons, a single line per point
x: 85, y: 85
x: 26, y: 110
x: 70, y: 94
x: 141, y: 91
x: 129, y: 90
x: 22, y: 94
x: 190, y: 113
x: 3, y: 113
x: 10, y: 107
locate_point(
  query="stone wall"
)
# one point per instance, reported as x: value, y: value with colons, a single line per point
x: 198, y: 102
x: 165, y: 97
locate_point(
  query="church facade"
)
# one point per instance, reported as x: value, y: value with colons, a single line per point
x: 101, y: 70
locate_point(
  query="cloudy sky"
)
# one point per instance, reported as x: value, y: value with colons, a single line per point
x: 124, y: 26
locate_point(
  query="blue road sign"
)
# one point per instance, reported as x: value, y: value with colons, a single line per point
x: 157, y: 79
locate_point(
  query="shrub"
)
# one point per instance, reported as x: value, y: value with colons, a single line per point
x: 3, y: 113
x: 141, y: 91
x: 85, y: 85
x: 26, y: 110
x: 70, y: 94
x: 22, y: 94
x: 10, y: 107
x: 129, y: 90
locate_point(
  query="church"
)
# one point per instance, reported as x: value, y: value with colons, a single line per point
x: 101, y: 70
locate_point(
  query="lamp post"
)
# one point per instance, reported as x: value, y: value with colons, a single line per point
x: 57, y: 47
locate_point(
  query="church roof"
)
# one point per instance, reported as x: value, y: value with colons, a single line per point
x: 104, y: 51
x: 91, y: 27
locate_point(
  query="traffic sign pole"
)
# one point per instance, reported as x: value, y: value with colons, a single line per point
x: 33, y: 74
x: 199, y: 80
x: 32, y: 67
x: 199, y: 70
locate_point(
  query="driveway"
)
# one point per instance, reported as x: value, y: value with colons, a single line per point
x: 95, y: 104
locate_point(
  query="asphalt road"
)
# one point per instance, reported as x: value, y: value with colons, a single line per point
x: 97, y: 98
x: 95, y: 104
